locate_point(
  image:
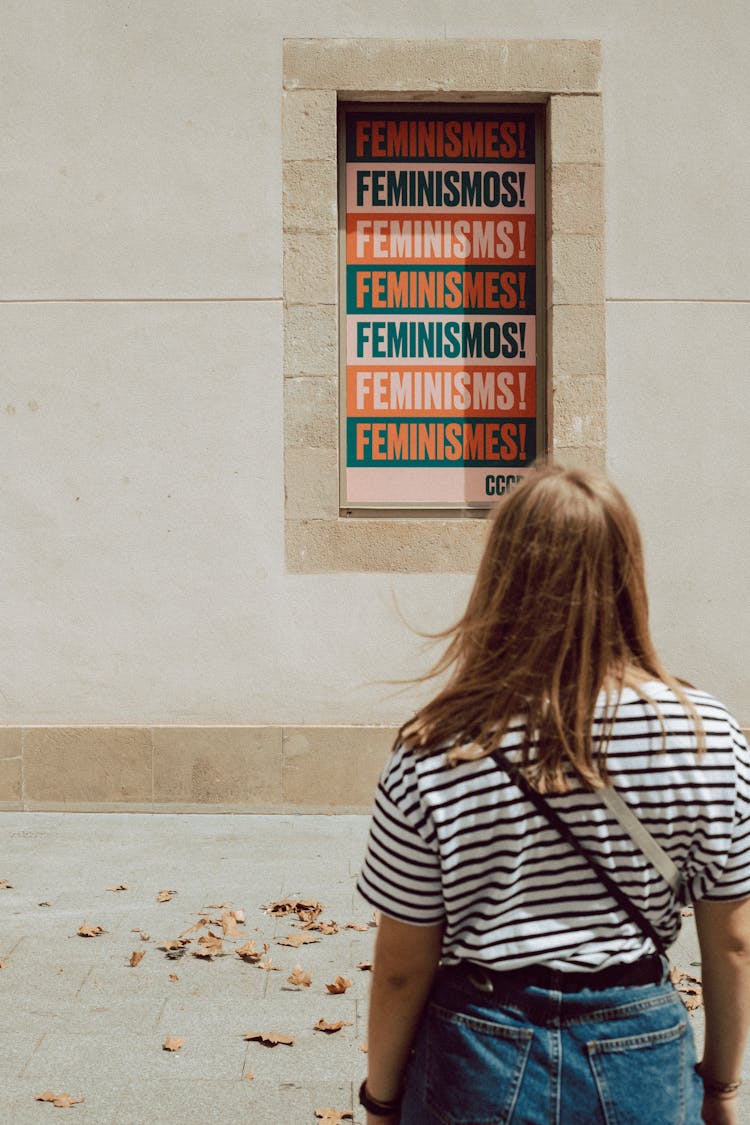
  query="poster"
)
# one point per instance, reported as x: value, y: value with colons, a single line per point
x: 440, y: 305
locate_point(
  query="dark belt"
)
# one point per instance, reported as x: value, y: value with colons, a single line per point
x: 649, y: 970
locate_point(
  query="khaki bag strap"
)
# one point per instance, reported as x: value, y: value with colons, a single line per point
x: 641, y: 837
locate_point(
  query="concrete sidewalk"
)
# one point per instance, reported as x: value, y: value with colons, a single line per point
x: 78, y: 1019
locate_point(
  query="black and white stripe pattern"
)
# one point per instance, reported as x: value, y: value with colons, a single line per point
x: 461, y: 845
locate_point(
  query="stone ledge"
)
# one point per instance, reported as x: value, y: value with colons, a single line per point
x: 258, y: 769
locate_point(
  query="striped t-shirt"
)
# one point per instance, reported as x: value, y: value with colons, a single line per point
x: 461, y: 845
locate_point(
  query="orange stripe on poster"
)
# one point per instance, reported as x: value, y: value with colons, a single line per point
x: 472, y: 392
x: 422, y: 237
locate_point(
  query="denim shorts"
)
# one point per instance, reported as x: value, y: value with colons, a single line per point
x: 531, y: 1056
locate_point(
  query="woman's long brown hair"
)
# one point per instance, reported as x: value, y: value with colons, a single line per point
x: 558, y: 612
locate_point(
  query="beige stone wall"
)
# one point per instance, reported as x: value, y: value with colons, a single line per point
x: 158, y: 382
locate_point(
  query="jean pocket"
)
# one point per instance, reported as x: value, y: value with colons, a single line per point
x: 473, y: 1067
x: 642, y: 1077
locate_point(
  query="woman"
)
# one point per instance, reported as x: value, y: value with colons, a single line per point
x: 505, y: 975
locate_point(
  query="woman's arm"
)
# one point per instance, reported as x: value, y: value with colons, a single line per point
x: 406, y: 959
x: 724, y: 936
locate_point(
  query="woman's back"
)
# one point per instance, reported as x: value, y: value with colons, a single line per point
x: 460, y: 843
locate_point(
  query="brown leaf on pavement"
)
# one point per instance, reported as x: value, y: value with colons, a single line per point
x: 339, y: 985
x: 229, y: 923
x: 689, y: 987
x: 322, y: 927
x: 177, y: 943
x: 172, y: 1044
x: 248, y: 952
x: 295, y: 940
x: 269, y: 966
x: 63, y: 1101
x: 6, y: 886
x: 249, y: 1076
x: 90, y: 931
x: 357, y: 926
x: 4, y: 964
x: 199, y: 925
x: 323, y: 1025
x: 165, y: 896
x: 210, y: 946
x: 365, y: 966
x: 300, y: 977
x: 306, y: 909
x: 363, y: 1047
x: 173, y: 977
x: 331, y: 1116
x: 269, y: 1038
x: 119, y: 887
x: 136, y: 958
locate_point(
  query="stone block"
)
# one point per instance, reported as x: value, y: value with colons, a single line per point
x: 311, y: 409
x: 513, y: 65
x: 310, y: 195
x: 310, y: 268
x: 577, y: 340
x: 576, y: 130
x: 10, y: 742
x: 309, y: 125
x: 81, y: 765
x: 579, y: 412
x: 593, y: 459
x: 310, y: 339
x: 334, y: 765
x: 311, y: 483
x: 576, y: 265
x: 576, y: 194
x: 10, y: 782
x: 406, y: 546
x: 217, y: 765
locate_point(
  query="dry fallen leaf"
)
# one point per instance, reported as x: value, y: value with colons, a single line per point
x: 365, y: 966
x: 300, y: 977
x: 295, y: 940
x: 269, y: 1038
x: 173, y: 977
x: 356, y: 926
x: 248, y: 952
x: 6, y: 886
x: 333, y: 1116
x: 63, y: 1101
x: 90, y: 931
x: 176, y: 948
x: 210, y: 946
x: 323, y: 1025
x: 172, y: 1044
x: 363, y: 1047
x: 119, y: 887
x: 339, y: 985
x: 322, y: 927
x: 165, y: 896
x: 4, y: 964
x: 269, y: 966
x: 44, y: 904
x: 306, y: 909
x: 249, y: 1076
x: 229, y: 923
x: 201, y: 924
x: 136, y: 958
x: 689, y: 987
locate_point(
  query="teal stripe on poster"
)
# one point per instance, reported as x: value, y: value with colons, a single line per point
x: 437, y: 289
x: 440, y: 442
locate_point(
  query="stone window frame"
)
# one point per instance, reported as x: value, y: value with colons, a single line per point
x: 565, y: 76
